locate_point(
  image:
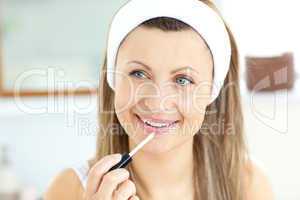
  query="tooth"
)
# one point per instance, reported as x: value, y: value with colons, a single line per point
x: 155, y: 124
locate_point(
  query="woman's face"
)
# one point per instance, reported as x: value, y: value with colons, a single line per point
x: 162, y: 85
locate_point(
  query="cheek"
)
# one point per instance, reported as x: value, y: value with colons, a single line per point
x: 123, y: 94
x: 124, y: 101
x: 193, y: 105
x: 122, y: 106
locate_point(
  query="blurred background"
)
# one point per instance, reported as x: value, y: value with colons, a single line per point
x: 50, y: 57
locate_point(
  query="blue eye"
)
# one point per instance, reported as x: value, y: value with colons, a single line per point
x: 138, y: 74
x: 184, y: 81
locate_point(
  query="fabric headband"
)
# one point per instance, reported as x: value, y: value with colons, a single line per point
x: 193, y: 12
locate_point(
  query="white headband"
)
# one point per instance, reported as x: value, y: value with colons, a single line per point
x: 193, y: 12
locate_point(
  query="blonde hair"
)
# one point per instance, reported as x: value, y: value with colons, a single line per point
x: 219, y: 159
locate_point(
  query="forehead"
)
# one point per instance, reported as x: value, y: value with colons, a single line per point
x: 172, y: 47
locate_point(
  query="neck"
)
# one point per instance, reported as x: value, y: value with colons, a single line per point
x: 157, y: 176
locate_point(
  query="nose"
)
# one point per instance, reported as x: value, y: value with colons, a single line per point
x: 162, y: 99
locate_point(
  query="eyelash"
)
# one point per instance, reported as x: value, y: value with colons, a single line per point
x: 185, y: 77
x: 135, y: 71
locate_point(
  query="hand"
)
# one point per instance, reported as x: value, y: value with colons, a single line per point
x: 113, y: 185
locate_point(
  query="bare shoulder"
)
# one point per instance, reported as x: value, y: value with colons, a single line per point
x: 65, y: 185
x: 258, y: 185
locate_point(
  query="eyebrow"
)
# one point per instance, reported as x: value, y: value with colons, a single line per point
x: 172, y: 72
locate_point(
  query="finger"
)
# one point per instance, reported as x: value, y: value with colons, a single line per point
x: 110, y: 182
x: 98, y: 170
x: 125, y: 190
x: 134, y: 197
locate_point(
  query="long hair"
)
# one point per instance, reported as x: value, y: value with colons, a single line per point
x: 219, y: 158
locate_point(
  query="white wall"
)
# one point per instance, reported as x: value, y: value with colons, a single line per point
x: 43, y: 144
x: 271, y: 127
x: 267, y: 28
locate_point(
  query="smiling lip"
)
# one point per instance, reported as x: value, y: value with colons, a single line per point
x: 168, y: 124
x: 157, y: 120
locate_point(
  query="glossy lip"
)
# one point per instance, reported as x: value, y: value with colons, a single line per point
x: 159, y: 131
x: 157, y: 120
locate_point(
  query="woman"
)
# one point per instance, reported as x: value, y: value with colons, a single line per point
x: 162, y: 66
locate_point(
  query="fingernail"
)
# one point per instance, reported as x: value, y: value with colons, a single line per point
x: 117, y: 156
x: 123, y: 171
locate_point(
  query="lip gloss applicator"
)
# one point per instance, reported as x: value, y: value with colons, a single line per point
x: 127, y: 157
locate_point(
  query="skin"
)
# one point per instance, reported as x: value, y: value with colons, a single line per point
x: 158, y: 92
x: 163, y: 167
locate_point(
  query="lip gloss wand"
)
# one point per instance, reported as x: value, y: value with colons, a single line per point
x: 127, y: 157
